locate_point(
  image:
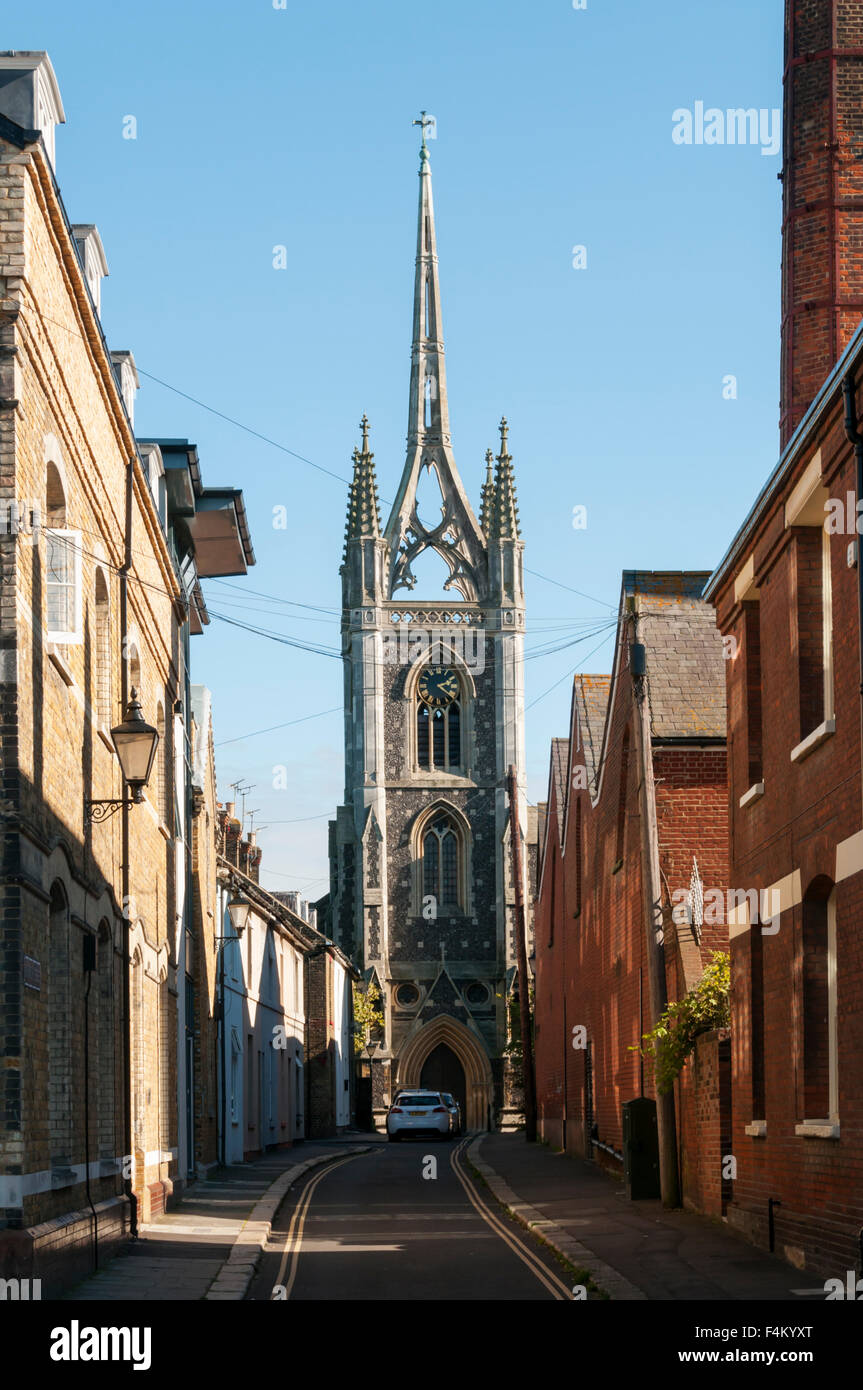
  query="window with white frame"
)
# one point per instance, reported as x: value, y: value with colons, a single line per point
x: 63, y: 585
x: 63, y: 604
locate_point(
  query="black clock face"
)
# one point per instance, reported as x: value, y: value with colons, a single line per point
x: 438, y: 685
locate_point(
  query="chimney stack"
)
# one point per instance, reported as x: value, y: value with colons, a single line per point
x: 822, y: 197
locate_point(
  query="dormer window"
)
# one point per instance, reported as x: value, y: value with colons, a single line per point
x: 127, y: 380
x: 91, y: 254
x: 29, y: 94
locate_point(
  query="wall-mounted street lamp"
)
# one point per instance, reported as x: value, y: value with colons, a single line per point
x: 135, y: 745
x: 239, y: 908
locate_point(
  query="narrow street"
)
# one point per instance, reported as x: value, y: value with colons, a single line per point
x: 373, y: 1227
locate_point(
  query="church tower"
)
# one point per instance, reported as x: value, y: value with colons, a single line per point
x: 421, y: 869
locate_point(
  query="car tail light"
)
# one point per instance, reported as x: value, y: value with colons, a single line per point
x: 397, y: 1110
x: 439, y: 1110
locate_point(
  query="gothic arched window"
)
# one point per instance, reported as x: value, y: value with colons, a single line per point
x: 442, y: 862
x: 439, y: 723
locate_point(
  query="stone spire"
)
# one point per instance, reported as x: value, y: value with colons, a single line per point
x: 457, y: 538
x: 487, y: 495
x: 363, y: 515
x: 504, y: 520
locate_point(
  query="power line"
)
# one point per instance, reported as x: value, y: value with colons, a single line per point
x: 240, y: 738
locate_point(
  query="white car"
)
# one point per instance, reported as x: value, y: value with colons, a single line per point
x: 418, y: 1112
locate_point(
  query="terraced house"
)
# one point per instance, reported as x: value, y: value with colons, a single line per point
x: 102, y: 549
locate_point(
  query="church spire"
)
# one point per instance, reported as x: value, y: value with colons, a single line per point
x: 428, y: 419
x: 457, y: 537
x: 505, y: 524
x: 486, y: 505
x: 363, y: 515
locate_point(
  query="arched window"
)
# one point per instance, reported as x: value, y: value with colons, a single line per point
x: 161, y: 767
x: 442, y: 856
x: 819, y: 1013
x: 59, y: 1029
x: 439, y: 720
x: 105, y: 1064
x: 104, y: 712
x: 134, y: 667
x: 62, y: 565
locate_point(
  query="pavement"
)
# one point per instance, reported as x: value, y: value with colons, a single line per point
x: 633, y: 1250
x: 209, y: 1245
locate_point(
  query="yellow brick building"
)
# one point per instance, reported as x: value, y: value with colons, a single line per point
x: 95, y: 600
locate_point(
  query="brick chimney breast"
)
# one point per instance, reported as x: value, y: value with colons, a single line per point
x: 822, y: 197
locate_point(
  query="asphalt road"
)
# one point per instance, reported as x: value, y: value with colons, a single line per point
x: 373, y: 1227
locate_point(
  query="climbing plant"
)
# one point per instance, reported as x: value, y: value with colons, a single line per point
x: 706, y: 1006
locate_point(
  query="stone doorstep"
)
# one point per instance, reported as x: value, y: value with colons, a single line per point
x: 238, y: 1270
x: 608, y: 1279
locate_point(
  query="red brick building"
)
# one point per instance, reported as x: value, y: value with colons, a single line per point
x: 787, y: 594
x: 595, y: 917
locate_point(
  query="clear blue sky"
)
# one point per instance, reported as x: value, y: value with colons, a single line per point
x: 259, y: 127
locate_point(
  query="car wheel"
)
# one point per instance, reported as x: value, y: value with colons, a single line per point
x: 393, y: 1138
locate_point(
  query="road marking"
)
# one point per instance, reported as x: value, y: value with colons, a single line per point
x: 298, y: 1221
x: 555, y: 1286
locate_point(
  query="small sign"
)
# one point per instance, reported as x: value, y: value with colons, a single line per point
x: 32, y: 973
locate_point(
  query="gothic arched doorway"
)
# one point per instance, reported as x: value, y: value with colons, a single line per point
x: 442, y: 1071
x: 471, y: 1055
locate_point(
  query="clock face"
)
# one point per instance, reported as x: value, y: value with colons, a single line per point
x: 438, y: 685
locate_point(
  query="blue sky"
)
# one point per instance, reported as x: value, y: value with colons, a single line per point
x: 260, y: 127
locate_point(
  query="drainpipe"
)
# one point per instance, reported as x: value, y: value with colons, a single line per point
x: 125, y: 875
x: 855, y: 438
x: 665, y: 1113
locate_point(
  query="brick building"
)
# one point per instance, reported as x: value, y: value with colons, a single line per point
x: 788, y: 600
x: 101, y: 548
x: 632, y: 845
x: 787, y: 593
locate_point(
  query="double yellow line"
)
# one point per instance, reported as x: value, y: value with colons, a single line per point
x: 555, y: 1286
x: 294, y: 1241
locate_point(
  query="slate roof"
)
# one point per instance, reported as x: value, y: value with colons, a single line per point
x: 559, y: 765
x: 684, y: 654
x: 590, y: 697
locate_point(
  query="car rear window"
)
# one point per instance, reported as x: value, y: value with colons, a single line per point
x: 418, y: 1100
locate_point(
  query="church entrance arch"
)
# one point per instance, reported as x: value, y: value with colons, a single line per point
x: 442, y: 1071
x: 430, y: 1045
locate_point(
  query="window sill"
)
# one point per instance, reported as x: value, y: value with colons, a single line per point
x: 756, y: 1129
x: 813, y: 740
x: 814, y: 1129
x: 58, y: 661
x: 755, y: 791
x: 164, y: 831
x: 105, y: 737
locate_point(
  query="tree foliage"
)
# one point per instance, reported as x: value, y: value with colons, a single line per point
x: 367, y: 1016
